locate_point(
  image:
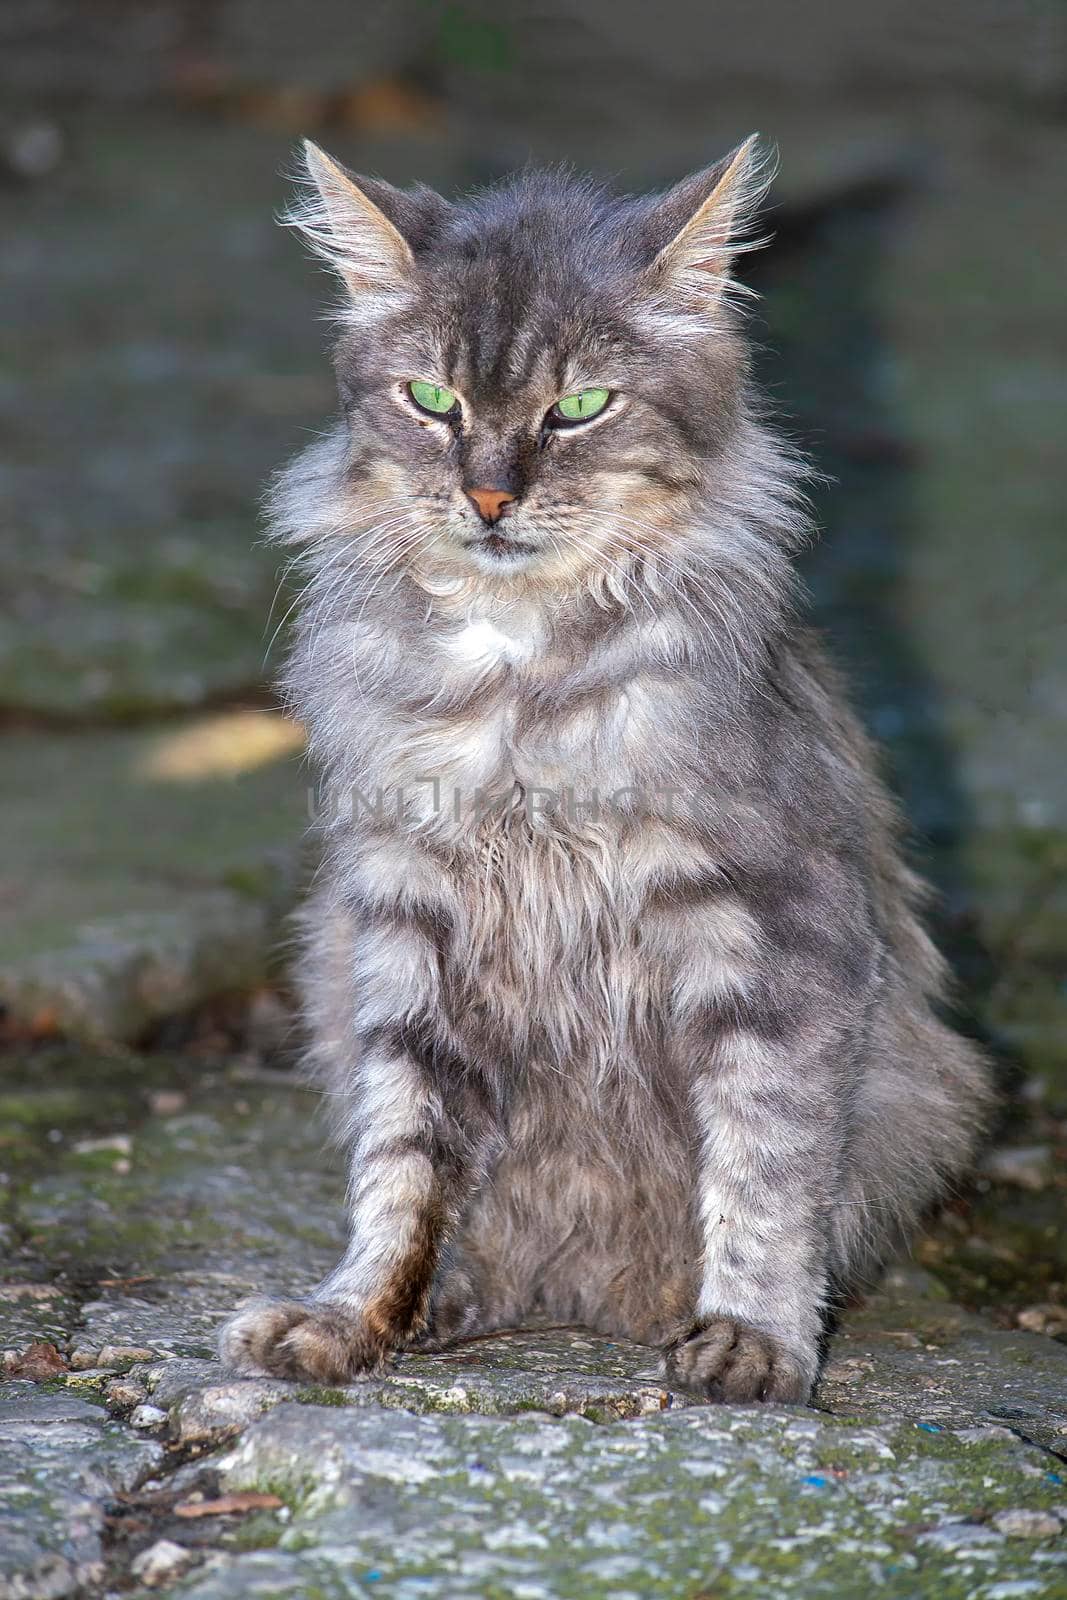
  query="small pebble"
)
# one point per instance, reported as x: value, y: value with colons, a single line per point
x: 148, y: 1417
x: 161, y: 1563
x: 28, y: 1291
x: 1048, y: 1319
x: 1027, y: 1167
x: 167, y: 1102
x: 959, y: 1536
x: 84, y: 1357
x: 116, y: 1356
x: 121, y: 1143
x: 850, y: 1370
x: 33, y: 150
x: 125, y: 1392
x: 1020, y: 1524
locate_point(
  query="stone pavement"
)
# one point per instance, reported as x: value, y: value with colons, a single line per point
x: 146, y: 1195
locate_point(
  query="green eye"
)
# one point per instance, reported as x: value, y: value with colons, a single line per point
x: 583, y: 405
x: 432, y: 397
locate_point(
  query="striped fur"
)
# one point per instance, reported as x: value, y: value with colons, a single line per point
x: 614, y: 973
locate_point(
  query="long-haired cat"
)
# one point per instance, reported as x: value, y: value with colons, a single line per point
x: 614, y: 972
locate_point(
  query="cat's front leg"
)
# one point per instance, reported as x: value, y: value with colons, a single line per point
x: 769, y: 1134
x: 412, y: 1168
x: 417, y: 1133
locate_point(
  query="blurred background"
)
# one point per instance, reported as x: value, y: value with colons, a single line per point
x: 162, y: 350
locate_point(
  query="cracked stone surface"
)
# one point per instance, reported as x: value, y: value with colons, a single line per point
x: 542, y: 1463
x: 61, y: 1461
x: 736, y: 1501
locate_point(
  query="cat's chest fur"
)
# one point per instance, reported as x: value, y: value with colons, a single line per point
x: 530, y: 814
x: 502, y: 716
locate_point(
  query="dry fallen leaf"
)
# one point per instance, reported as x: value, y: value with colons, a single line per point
x: 39, y: 1360
x: 227, y: 1504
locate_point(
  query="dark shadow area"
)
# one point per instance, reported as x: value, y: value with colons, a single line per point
x: 822, y: 353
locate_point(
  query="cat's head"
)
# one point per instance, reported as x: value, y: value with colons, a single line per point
x: 540, y: 381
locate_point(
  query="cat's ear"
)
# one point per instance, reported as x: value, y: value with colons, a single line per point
x: 697, y: 227
x: 366, y: 230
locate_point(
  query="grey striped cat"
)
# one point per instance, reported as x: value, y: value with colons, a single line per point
x: 614, y: 972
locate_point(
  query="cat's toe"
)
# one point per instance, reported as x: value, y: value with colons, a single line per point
x: 726, y: 1360
x: 299, y: 1339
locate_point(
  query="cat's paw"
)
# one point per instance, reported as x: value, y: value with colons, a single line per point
x: 727, y: 1360
x: 300, y: 1339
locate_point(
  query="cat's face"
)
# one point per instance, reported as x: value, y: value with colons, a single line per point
x: 537, y: 382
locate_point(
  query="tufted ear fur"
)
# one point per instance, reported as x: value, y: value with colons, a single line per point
x: 698, y: 227
x: 365, y: 229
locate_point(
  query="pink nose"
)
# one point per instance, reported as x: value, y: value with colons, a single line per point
x: 489, y: 503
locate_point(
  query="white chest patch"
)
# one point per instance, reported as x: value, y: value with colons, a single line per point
x: 482, y: 644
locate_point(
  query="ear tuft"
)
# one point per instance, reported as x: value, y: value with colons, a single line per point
x: 707, y: 220
x: 347, y: 229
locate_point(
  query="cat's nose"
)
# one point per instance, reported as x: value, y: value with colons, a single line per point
x: 489, y: 503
